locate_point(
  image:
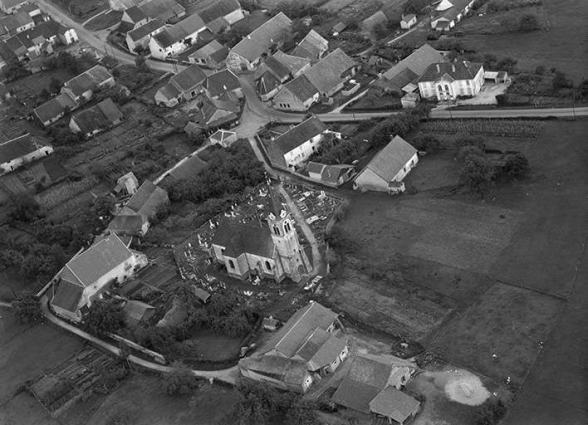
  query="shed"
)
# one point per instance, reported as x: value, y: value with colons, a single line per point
x: 394, y: 405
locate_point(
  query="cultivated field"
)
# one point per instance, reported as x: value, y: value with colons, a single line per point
x: 562, y: 46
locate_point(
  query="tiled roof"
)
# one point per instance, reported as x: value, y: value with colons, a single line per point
x: 266, y: 83
x: 145, y: 30
x: 98, y: 117
x: 277, y: 68
x: 326, y: 73
x: 135, y: 14
x: 222, y: 82
x: 408, y: 18
x: 355, y: 395
x: 67, y: 296
x: 296, y: 136
x: 394, y: 404
x: 286, y: 370
x: 208, y: 50
x: 403, y: 78
x: 377, y: 18
x: 218, y: 9
x: 301, y: 325
x: 15, y: 21
x: 221, y: 135
x: 392, y: 158
x: 463, y: 70
x: 127, y: 223
x: 312, y: 46
x: 169, y: 91
x: 293, y: 63
x: 302, y: 88
x: 88, y: 80
x: 147, y: 199
x: 189, y: 78
x: 162, y: 9
x: 11, y: 3
x: 135, y: 311
x: 86, y: 268
x: 261, y: 39
x: 19, y: 147
x: 239, y: 238
x: 179, y: 31
x: 54, y: 107
x: 417, y: 61
x: 331, y: 173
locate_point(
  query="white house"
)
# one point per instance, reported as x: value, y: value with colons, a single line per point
x: 221, y: 14
x: 295, y: 146
x: 177, y: 38
x: 90, y: 272
x: 139, y: 37
x: 386, y: 170
x: 17, y: 152
x: 408, y: 21
x: 448, y: 80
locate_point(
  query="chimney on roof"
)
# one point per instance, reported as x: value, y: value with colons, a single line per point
x: 438, y: 69
x: 453, y: 67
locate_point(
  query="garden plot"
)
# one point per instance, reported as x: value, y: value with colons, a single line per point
x: 387, y: 303
x: 507, y: 321
x: 496, y: 128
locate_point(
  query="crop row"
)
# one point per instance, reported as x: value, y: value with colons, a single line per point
x: 499, y: 128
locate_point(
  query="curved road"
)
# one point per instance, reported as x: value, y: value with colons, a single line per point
x: 230, y: 375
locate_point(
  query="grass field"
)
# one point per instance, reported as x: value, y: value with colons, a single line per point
x: 144, y: 398
x: 104, y: 21
x: 562, y: 46
x: 82, y: 9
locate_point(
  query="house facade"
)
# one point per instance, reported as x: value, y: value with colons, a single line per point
x: 408, y: 21
x: 177, y: 38
x: 89, y: 273
x: 22, y: 150
x: 448, y: 80
x: 298, y: 95
x: 140, y: 36
x: 388, y: 167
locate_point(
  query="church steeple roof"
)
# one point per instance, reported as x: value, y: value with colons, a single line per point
x: 274, y: 202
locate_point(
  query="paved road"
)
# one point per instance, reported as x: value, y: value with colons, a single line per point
x: 230, y: 375
x: 90, y: 38
x: 512, y: 113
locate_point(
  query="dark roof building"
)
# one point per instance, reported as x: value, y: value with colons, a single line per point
x: 222, y: 82
x: 97, y: 118
x: 299, y: 134
x: 417, y: 62
x: 329, y: 74
x: 147, y: 200
x: 463, y: 70
x: 394, y: 404
x: 312, y: 46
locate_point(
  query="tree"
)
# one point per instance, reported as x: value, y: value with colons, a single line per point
x: 529, y: 23
x: 43, y: 261
x: 477, y: 173
x: 11, y: 258
x: 506, y: 64
x: 180, y: 382
x: 104, y: 317
x: 583, y: 89
x: 301, y: 412
x: 54, y: 85
x: 561, y: 81
x: 141, y: 64
x: 103, y: 205
x: 491, y: 413
x: 516, y: 166
x: 414, y: 6
x: 27, y: 308
x: 14, y: 70
x: 379, y: 30
x: 24, y: 208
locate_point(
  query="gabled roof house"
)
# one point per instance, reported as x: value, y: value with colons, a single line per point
x: 97, y: 118
x: 177, y: 38
x: 89, y: 273
x: 185, y: 85
x: 246, y: 54
x: 16, y: 152
x: 330, y: 73
x: 313, y: 46
x: 448, y: 80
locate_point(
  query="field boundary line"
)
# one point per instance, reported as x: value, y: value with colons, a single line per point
x: 504, y: 282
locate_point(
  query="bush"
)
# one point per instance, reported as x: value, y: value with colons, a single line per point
x: 529, y: 23
x: 27, y: 308
x: 477, y: 172
x: 24, y: 208
x: 516, y: 166
x: 104, y: 317
x: 428, y: 143
x: 179, y: 383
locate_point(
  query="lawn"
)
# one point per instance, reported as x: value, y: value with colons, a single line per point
x: 82, y: 9
x: 507, y: 321
x: 214, y: 347
x: 562, y: 46
x: 143, y: 397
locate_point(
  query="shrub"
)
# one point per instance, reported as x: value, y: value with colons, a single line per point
x: 529, y: 22
x: 27, y: 308
x: 477, y: 172
x: 516, y: 166
x: 179, y: 383
x: 104, y: 317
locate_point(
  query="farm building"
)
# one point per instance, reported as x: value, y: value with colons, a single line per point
x: 89, y: 273
x: 370, y: 376
x: 211, y: 55
x: 22, y: 150
x: 394, y: 405
x: 126, y: 184
x: 164, y: 10
x: 447, y: 80
x: 412, y: 67
x: 297, y: 95
x: 219, y: 15
x: 280, y: 372
x: 133, y: 218
x: 177, y: 38
x: 296, y: 65
x: 41, y: 38
x: 223, y: 138
x: 223, y: 85
x: 408, y: 21
x: 212, y: 114
x: 388, y: 167
x: 83, y: 86
x: 269, y: 77
x: 135, y: 17
x: 18, y: 22
x: 245, y: 56
x: 338, y: 28
x: 330, y: 73
x: 330, y: 175
x: 271, y: 249
x: 312, y: 47
x: 97, y: 118
x: 185, y: 85
x: 140, y: 36
x: 294, y: 147
x: 448, y: 13
x: 54, y: 109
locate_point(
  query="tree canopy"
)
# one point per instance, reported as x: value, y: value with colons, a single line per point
x: 104, y: 317
x: 27, y: 308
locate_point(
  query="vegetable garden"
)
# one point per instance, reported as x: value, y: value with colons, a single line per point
x: 496, y: 128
